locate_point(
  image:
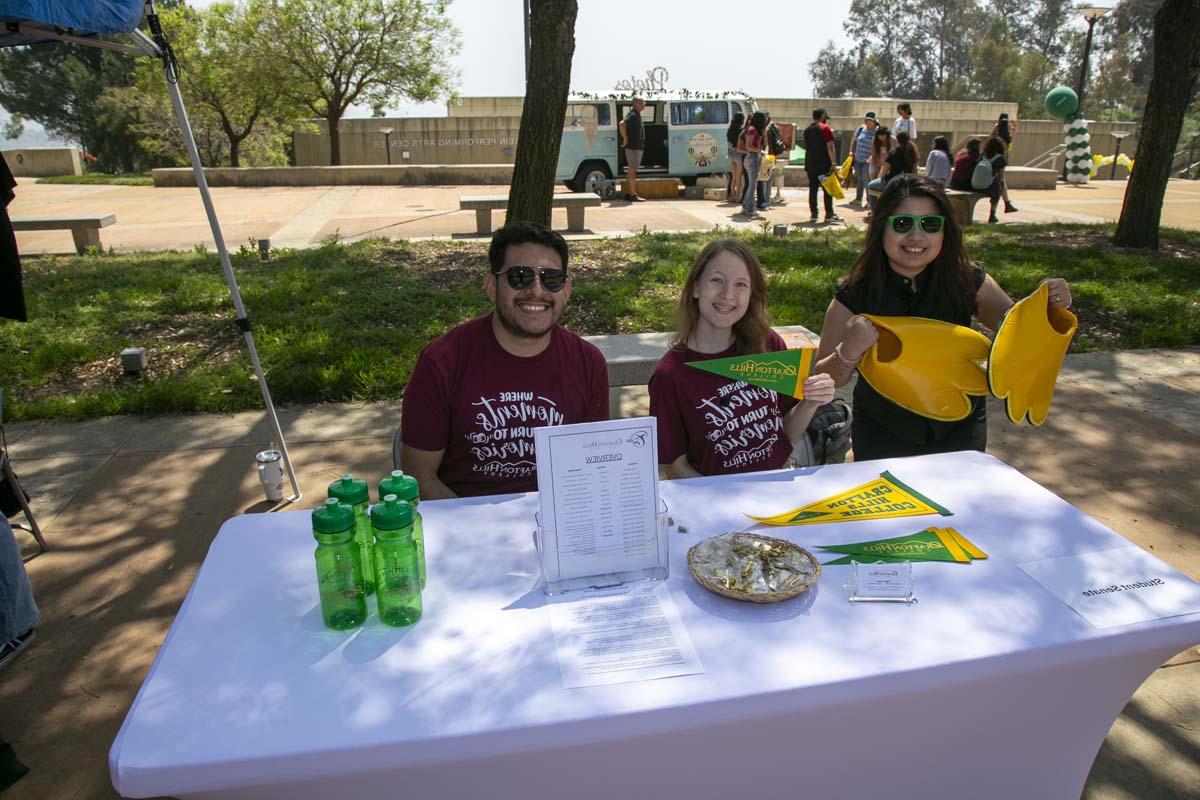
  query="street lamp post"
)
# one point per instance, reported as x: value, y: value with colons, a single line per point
x: 1118, y: 135
x: 387, y: 143
x: 1092, y: 14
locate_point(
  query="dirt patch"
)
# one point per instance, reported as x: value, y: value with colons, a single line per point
x: 1078, y: 239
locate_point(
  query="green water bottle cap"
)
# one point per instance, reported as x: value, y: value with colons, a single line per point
x: 333, y: 517
x: 349, y: 490
x: 402, y: 485
x: 392, y: 514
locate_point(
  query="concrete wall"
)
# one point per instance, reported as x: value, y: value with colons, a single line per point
x: 43, y: 162
x: 424, y: 175
x: 427, y: 140
x: 486, y: 107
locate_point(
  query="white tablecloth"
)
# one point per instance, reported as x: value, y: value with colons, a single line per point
x: 988, y: 687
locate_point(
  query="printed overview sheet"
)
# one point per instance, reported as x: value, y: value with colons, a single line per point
x: 598, y: 486
x: 631, y: 633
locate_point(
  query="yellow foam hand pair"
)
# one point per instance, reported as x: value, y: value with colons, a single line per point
x: 927, y: 366
x: 1027, y: 354
x: 934, y: 368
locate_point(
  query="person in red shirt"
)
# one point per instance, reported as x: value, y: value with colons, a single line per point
x: 478, y: 391
x: 708, y: 424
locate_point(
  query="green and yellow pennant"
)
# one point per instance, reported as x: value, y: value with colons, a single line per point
x: 883, y: 498
x: 782, y: 371
x: 931, y: 544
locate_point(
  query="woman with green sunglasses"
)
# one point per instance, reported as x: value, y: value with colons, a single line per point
x: 912, y: 265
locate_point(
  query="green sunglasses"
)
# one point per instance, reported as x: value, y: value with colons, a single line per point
x: 904, y: 223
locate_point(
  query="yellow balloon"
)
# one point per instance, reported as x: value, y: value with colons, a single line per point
x: 927, y: 366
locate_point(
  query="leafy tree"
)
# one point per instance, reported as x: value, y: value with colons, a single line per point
x: 551, y: 48
x: 63, y: 87
x: 1176, y: 43
x: 221, y: 76
x: 327, y: 56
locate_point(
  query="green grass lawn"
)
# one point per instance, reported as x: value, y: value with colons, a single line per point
x: 346, y: 321
x: 101, y: 177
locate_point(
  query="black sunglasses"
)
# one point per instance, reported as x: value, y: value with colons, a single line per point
x: 522, y: 278
x: 904, y: 223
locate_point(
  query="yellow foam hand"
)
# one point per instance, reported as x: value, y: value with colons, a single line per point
x: 927, y: 366
x: 1028, y: 353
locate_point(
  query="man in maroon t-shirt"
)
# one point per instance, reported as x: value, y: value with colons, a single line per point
x: 478, y: 391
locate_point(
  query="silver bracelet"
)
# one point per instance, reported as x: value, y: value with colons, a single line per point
x: 847, y: 363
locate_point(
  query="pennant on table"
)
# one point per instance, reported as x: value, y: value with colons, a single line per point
x: 782, y: 371
x: 931, y: 544
x: 926, y: 545
x: 883, y: 498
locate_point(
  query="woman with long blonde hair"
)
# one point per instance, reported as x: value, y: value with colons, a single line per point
x: 709, y: 424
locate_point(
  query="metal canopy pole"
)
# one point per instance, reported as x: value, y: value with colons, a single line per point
x: 243, y: 321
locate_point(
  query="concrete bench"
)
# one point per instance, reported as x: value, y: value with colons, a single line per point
x: 963, y: 204
x: 84, y: 230
x: 484, y: 205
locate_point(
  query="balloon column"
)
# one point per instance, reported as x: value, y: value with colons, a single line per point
x: 1063, y: 104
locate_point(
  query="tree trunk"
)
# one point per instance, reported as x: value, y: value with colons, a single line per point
x: 1176, y: 66
x: 233, y: 151
x: 551, y: 47
x: 335, y: 141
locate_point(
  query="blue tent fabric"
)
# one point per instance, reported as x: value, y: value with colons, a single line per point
x: 81, y: 18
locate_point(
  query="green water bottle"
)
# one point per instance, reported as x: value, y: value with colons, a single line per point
x: 405, y: 487
x: 354, y: 493
x: 339, y: 568
x: 397, y: 570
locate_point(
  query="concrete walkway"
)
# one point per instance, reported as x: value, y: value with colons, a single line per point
x: 130, y: 505
x: 149, y: 218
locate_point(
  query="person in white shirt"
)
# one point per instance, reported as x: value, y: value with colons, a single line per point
x: 906, y: 123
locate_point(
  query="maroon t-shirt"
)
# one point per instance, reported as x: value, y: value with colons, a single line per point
x: 723, y: 425
x: 479, y: 403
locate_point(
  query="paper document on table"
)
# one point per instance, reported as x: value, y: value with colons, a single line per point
x: 632, y: 633
x: 1117, y: 587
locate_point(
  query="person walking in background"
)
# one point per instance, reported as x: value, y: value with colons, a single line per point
x: 996, y: 151
x: 863, y: 143
x: 1004, y: 130
x: 819, y: 158
x: 733, y: 187
x: 756, y: 146
x: 937, y: 165
x: 633, y: 139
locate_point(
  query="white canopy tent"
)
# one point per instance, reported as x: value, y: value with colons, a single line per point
x: 113, y: 25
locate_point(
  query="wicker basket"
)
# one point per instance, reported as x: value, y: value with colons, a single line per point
x: 768, y: 597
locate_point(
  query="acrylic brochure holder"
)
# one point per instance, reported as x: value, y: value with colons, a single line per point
x: 600, y: 521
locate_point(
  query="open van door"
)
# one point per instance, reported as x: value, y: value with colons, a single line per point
x: 655, y: 159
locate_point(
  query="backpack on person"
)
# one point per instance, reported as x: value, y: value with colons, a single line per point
x: 984, y: 174
x: 827, y: 439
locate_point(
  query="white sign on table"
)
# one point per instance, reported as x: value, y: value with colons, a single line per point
x: 1117, y: 587
x: 598, y: 488
x: 632, y: 633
